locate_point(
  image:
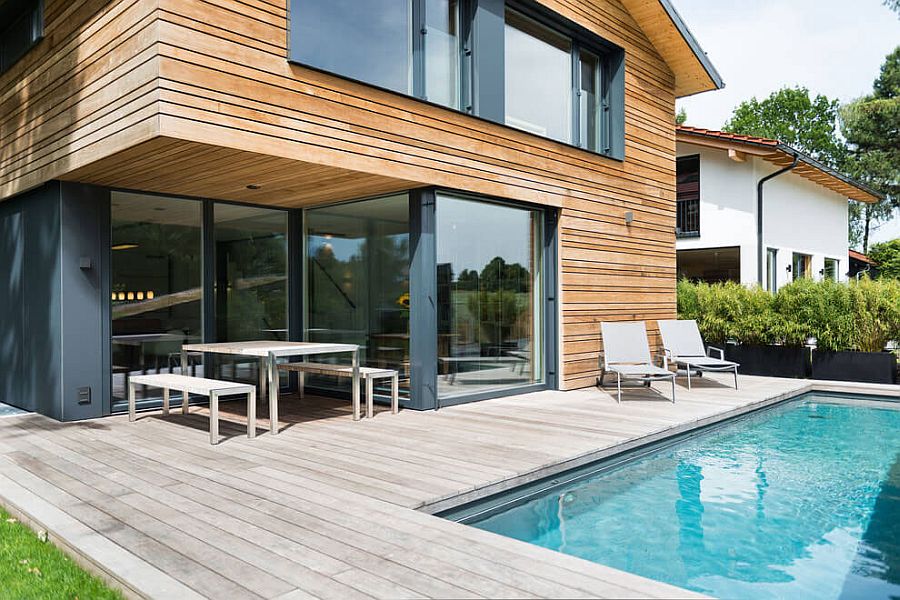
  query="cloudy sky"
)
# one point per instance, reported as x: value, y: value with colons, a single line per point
x: 833, y: 47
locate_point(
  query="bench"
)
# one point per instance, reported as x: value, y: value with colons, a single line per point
x: 211, y: 388
x: 367, y: 374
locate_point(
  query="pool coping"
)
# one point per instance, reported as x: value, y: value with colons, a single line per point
x: 453, y: 502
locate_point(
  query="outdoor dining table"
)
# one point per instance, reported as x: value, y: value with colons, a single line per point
x: 268, y: 352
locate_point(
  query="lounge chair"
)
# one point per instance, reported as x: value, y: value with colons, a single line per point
x: 627, y: 354
x: 684, y: 347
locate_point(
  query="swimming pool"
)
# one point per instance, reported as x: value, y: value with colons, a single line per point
x: 797, y: 501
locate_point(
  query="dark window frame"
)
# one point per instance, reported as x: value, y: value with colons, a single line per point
x: 687, y: 202
x: 481, y: 69
x: 11, y: 13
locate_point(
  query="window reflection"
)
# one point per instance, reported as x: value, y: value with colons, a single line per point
x: 156, y: 284
x: 538, y: 78
x: 589, y: 101
x: 368, y: 40
x: 357, y: 277
x: 250, y: 280
x: 489, y: 315
x: 442, y: 52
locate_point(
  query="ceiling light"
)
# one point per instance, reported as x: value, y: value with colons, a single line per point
x: 126, y: 246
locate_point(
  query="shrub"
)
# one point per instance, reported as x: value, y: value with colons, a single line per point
x: 862, y: 315
x: 876, y: 313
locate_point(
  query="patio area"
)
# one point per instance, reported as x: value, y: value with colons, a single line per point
x: 326, y: 509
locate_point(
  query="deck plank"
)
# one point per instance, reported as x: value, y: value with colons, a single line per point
x: 324, y: 509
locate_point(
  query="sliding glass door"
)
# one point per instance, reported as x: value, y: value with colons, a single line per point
x: 489, y: 309
x: 156, y: 284
x: 357, y: 281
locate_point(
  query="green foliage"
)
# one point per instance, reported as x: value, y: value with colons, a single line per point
x: 862, y: 315
x: 871, y: 126
x: 32, y: 569
x: 876, y: 313
x: 887, y: 255
x: 681, y: 117
x: 894, y: 5
x: 792, y: 117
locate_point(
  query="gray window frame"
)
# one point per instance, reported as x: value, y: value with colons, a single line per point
x: 482, y: 73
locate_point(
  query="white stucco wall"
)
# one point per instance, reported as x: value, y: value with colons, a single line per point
x: 799, y: 215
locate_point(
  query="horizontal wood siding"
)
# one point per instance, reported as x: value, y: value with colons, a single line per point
x: 231, y: 111
x: 86, y: 91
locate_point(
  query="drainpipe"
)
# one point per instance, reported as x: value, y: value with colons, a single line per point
x: 759, y: 216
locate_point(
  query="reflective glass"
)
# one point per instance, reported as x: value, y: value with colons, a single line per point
x: 538, y: 79
x: 442, y: 52
x: 155, y: 280
x: 368, y: 40
x: 489, y: 308
x: 357, y: 278
x: 589, y: 101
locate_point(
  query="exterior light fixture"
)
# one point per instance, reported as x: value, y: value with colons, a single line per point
x: 126, y: 246
x: 150, y: 295
x: 121, y: 295
x: 131, y: 295
x: 140, y: 295
x: 629, y: 217
x: 253, y: 186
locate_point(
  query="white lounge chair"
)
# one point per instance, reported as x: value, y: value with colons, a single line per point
x: 684, y: 347
x: 627, y: 354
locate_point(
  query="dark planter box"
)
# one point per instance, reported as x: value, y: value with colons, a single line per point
x: 864, y: 367
x: 771, y: 361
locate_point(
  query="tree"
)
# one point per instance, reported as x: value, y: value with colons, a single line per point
x: 681, y: 117
x: 894, y: 5
x: 887, y: 256
x: 871, y: 126
x: 792, y: 117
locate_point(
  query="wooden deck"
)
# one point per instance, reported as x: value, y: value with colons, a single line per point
x: 325, y: 510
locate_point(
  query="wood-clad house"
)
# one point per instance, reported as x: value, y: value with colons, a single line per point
x: 465, y: 188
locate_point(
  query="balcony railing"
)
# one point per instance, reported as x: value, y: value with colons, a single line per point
x: 687, y: 219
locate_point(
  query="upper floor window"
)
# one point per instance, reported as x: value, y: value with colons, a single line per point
x: 21, y: 27
x: 478, y: 56
x: 370, y: 41
x: 687, y: 215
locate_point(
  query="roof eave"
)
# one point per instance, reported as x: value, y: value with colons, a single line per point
x: 691, y: 41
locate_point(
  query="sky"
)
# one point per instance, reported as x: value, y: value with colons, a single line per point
x: 833, y: 47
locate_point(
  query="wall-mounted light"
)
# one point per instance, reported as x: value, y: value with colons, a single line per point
x: 126, y: 246
x: 788, y: 268
x: 629, y: 217
x: 130, y: 295
x: 253, y: 186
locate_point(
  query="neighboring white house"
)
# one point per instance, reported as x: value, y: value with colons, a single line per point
x: 805, y: 211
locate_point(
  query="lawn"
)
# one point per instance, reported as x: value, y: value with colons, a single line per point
x: 31, y: 569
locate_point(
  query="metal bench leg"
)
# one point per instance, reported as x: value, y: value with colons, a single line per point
x: 301, y: 383
x: 356, y: 385
x: 185, y: 399
x: 251, y: 414
x: 263, y: 374
x: 370, y: 397
x: 131, y: 402
x: 165, y: 402
x: 214, y: 418
x: 395, y: 393
x: 673, y: 390
x: 619, y: 388
x: 273, y: 383
x: 735, y: 378
x: 689, y: 376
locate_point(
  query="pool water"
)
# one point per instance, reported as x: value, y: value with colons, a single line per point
x: 799, y: 501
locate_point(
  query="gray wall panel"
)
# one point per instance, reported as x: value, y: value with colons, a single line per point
x: 12, y: 314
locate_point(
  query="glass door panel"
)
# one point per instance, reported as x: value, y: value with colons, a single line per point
x: 357, y: 283
x: 156, y: 284
x: 489, y: 299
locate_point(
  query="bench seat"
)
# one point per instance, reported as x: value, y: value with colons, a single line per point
x: 366, y: 374
x: 211, y: 388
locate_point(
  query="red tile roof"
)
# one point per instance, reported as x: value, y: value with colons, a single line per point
x: 861, y: 257
x: 724, y: 135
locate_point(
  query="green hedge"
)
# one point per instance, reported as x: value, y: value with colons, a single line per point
x: 862, y: 315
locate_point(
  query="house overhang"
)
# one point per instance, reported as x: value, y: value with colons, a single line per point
x: 667, y: 31
x: 780, y: 155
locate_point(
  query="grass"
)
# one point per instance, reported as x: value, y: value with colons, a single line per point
x: 34, y: 570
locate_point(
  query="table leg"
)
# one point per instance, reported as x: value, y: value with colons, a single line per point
x: 395, y: 394
x: 185, y: 399
x: 273, y: 394
x: 355, y: 391
x: 251, y: 414
x: 184, y: 362
x: 165, y: 402
x: 263, y: 375
x: 131, y: 402
x: 370, y: 397
x: 214, y: 418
